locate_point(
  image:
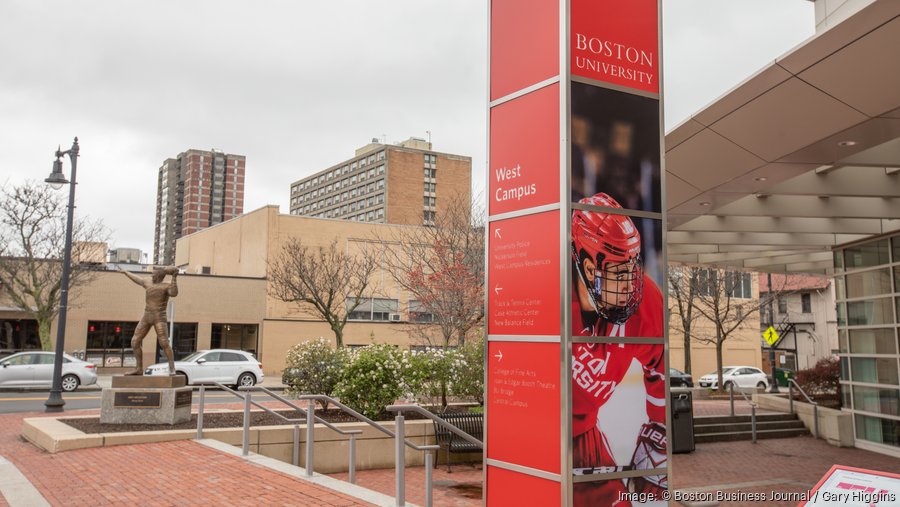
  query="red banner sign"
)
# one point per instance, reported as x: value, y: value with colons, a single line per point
x: 523, y: 275
x: 616, y: 42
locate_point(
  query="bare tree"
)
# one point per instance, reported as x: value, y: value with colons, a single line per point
x: 683, y: 289
x: 442, y: 268
x: 32, y: 240
x: 326, y: 282
x: 723, y: 299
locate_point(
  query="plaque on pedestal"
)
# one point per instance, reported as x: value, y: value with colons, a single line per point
x: 146, y: 400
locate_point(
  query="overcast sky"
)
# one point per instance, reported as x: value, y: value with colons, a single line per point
x: 295, y: 86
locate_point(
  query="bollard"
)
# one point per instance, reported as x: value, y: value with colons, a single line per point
x: 310, y: 435
x: 400, y: 460
x: 352, y: 466
x: 245, y: 447
x: 200, y: 413
x: 428, y: 467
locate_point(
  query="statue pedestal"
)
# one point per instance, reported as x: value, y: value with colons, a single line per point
x: 146, y: 400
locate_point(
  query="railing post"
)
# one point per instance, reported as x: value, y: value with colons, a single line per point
x: 310, y: 435
x: 816, y: 417
x: 200, y: 412
x: 245, y: 448
x: 296, y: 454
x: 753, y: 421
x: 731, y: 397
x: 428, y: 481
x: 791, y: 395
x: 400, y: 460
x: 352, y: 465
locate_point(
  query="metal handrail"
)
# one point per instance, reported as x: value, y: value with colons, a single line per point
x: 425, y: 413
x: 400, y: 441
x: 793, y: 383
x: 400, y: 473
x: 310, y: 415
x: 752, y: 404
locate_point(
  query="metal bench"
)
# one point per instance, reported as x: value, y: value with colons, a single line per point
x: 473, y: 424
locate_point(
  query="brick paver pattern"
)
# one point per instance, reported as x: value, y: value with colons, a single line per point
x: 182, y: 473
x: 186, y: 473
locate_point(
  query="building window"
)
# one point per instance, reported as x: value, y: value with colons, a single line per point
x: 782, y: 305
x: 418, y: 312
x: 184, y: 341
x: 235, y: 336
x: 379, y: 170
x: 430, y: 187
x: 380, y: 155
x: 806, y: 302
x: 707, y: 282
x: 109, y: 343
x: 379, y: 309
x: 429, y: 216
x: 738, y: 285
x: 17, y: 335
x: 429, y: 201
x: 430, y: 173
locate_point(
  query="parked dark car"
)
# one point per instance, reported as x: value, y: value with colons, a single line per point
x: 678, y: 378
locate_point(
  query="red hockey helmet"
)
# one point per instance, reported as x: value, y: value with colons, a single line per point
x: 613, y: 244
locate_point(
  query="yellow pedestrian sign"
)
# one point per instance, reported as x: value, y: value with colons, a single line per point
x: 771, y: 336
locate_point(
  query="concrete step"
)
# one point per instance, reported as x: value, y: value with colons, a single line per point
x: 728, y: 419
x: 700, y: 429
x: 746, y: 435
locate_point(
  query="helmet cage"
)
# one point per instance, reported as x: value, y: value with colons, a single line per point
x: 611, y: 276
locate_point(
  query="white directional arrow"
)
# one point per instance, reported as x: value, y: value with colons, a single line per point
x: 497, y: 233
x: 499, y: 355
x: 497, y: 290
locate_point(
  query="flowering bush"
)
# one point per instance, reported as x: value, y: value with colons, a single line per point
x: 467, y: 371
x: 430, y: 375
x: 314, y: 367
x: 375, y: 377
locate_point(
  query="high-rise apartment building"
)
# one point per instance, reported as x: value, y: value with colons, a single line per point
x: 405, y: 183
x: 195, y: 190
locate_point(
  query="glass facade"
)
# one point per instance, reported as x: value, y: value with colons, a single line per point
x: 235, y: 336
x: 867, y: 278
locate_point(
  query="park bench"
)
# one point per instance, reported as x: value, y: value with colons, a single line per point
x: 473, y: 424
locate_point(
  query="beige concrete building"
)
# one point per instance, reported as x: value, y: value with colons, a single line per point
x: 407, y: 183
x: 223, y: 298
x: 742, y: 348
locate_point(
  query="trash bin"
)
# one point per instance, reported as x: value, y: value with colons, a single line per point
x: 681, y: 434
x: 782, y: 375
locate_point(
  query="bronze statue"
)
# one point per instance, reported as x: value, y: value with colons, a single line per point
x: 158, y: 294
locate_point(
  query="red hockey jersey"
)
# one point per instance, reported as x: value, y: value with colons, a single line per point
x: 598, y: 368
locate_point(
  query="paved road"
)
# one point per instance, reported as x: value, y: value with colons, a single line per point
x: 33, y: 401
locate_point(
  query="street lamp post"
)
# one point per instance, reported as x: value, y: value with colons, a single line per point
x: 55, y: 403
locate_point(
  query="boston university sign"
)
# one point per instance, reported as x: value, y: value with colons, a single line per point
x: 576, y: 390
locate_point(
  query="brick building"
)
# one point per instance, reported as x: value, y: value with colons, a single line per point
x: 195, y: 190
x: 406, y: 183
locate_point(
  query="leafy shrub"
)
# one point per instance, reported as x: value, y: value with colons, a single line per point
x: 375, y: 377
x: 429, y: 375
x: 823, y: 379
x: 467, y: 371
x: 314, y: 367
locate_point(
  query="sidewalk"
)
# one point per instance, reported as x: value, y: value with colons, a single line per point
x: 189, y: 473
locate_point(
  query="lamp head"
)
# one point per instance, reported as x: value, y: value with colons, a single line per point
x: 56, y: 178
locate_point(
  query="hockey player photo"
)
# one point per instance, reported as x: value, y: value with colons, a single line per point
x: 618, y: 388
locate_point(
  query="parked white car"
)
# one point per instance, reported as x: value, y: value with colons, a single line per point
x: 229, y: 367
x: 35, y: 369
x: 740, y: 376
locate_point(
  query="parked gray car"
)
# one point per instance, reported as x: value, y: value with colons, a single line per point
x: 35, y: 369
